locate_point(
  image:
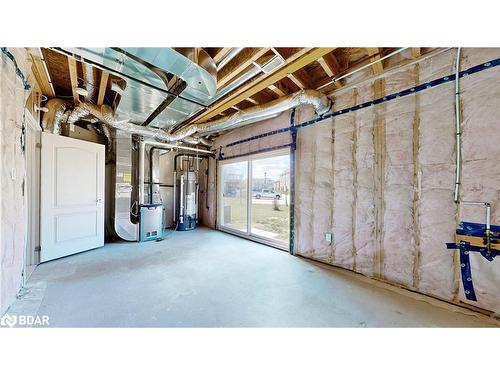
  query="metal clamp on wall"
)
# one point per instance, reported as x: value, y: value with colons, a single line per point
x: 475, y: 237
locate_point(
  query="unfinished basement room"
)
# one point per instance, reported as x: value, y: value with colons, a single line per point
x: 247, y: 186
x: 250, y: 187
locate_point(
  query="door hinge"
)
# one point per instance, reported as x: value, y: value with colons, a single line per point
x: 38, y: 249
x: 38, y: 145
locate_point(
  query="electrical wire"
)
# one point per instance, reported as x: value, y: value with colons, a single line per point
x: 19, y: 73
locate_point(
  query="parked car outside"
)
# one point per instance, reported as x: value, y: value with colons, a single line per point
x: 265, y: 193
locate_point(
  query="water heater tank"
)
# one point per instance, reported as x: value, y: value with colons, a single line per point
x: 186, y: 200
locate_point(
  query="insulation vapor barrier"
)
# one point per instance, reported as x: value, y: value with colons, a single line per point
x: 381, y: 178
x: 12, y: 167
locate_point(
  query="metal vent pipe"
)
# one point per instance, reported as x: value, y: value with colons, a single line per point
x: 104, y: 113
x: 318, y: 100
x: 166, y: 146
x: 88, y: 73
x: 56, y: 115
x: 228, y: 57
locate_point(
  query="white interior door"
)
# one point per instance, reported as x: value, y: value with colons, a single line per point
x: 72, y: 196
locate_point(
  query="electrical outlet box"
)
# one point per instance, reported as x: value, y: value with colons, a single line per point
x: 329, y: 237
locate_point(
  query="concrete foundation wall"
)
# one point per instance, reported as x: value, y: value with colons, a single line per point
x: 381, y: 179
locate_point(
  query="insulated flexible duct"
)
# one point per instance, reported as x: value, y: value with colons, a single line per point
x: 55, y: 116
x: 88, y: 73
x: 318, y: 100
x: 104, y: 113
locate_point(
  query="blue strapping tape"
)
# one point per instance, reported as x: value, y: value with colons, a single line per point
x: 465, y: 248
x: 385, y: 99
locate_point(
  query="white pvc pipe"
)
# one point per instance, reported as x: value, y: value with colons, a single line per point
x: 488, y: 211
x: 170, y: 146
x: 142, y: 149
x: 488, y: 217
x: 175, y: 198
x: 181, y: 200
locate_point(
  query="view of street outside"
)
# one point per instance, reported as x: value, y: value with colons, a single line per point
x: 270, y: 212
x: 234, y: 195
x: 269, y: 197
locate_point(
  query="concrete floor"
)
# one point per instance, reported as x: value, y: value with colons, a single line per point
x: 208, y: 278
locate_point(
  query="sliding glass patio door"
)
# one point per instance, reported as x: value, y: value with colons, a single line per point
x: 254, y: 197
x: 234, y: 196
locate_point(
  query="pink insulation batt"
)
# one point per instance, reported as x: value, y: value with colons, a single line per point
x: 381, y: 179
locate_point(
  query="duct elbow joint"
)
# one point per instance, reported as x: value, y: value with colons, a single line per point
x: 322, y: 111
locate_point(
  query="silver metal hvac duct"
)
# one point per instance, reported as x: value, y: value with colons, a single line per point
x: 228, y: 57
x: 236, y: 83
x: 77, y: 113
x: 104, y: 113
x: 138, y: 101
x: 107, y: 134
x: 52, y: 120
x: 193, y: 65
x: 124, y: 227
x: 88, y: 73
x: 270, y: 66
x: 318, y: 100
x: 197, y: 141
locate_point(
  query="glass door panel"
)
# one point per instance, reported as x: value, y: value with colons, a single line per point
x: 234, y: 185
x: 270, y: 194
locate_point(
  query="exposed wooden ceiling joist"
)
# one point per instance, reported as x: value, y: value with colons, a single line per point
x: 74, y: 78
x: 303, y: 78
x: 276, y: 90
x: 238, y: 64
x: 102, y: 87
x: 415, y: 52
x: 252, y: 100
x: 296, y: 81
x: 331, y: 67
x: 265, y: 95
x: 244, y: 105
x: 326, y: 67
x: 378, y: 67
x: 42, y: 77
x: 294, y: 63
x: 220, y: 54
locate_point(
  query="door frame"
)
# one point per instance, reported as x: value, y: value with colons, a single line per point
x: 32, y: 194
x: 247, y: 234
